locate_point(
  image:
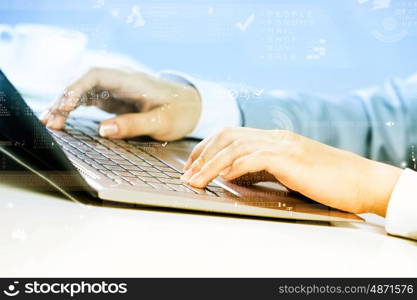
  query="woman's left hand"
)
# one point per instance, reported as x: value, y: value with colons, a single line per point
x: 331, y: 176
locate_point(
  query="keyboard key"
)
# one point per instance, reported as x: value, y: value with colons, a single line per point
x: 97, y: 166
x: 132, y: 168
x: 150, y: 180
x: 171, y: 180
x: 104, y: 161
x: 131, y: 157
x: 140, y: 173
x: 142, y: 164
x: 112, y: 155
x: 95, y: 155
x: 148, y: 168
x: 123, y: 173
x: 122, y: 152
x: 136, y: 151
x: 111, y: 175
x: 165, y: 169
x: 158, y: 174
x: 113, y: 167
x: 76, y: 144
x: 101, y: 148
x: 134, y: 179
x: 173, y: 174
x: 85, y: 138
x: 85, y: 159
x: 123, y: 162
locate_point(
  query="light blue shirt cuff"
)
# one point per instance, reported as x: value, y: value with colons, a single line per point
x: 219, y: 108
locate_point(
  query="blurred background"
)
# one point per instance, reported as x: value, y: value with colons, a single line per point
x: 322, y: 46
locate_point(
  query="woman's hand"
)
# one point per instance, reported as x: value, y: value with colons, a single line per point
x: 334, y: 177
x: 146, y: 105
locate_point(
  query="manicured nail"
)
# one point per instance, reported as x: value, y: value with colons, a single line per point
x: 186, y: 176
x: 194, y: 179
x: 187, y: 165
x: 108, y: 129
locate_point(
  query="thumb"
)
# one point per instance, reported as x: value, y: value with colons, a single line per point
x: 152, y: 123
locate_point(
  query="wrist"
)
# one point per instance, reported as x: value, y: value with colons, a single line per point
x: 380, y: 180
x: 192, y: 107
x: 183, y: 108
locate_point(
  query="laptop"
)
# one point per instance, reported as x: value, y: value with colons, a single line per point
x: 78, y: 162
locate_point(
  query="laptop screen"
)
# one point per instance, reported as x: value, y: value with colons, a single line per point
x: 26, y: 144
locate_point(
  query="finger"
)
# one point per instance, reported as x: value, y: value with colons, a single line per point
x: 219, y: 162
x: 44, y: 117
x: 77, y: 93
x: 153, y: 123
x: 47, y: 115
x: 254, y: 162
x: 215, y: 145
x: 196, y: 152
x: 69, y: 100
x: 56, y: 120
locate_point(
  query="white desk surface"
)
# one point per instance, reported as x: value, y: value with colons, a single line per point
x: 45, y: 235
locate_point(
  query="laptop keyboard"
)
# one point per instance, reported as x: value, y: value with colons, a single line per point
x: 123, y: 161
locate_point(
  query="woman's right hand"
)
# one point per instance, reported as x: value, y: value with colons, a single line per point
x: 331, y: 176
x: 145, y: 104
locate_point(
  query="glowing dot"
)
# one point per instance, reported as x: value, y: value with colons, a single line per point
x: 11, y: 287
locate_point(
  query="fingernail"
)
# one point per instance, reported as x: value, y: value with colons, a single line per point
x: 50, y: 121
x: 108, y: 129
x: 186, y: 176
x: 187, y: 165
x: 194, y: 179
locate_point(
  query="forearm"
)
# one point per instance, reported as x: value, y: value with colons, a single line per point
x: 377, y: 123
x: 342, y: 123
